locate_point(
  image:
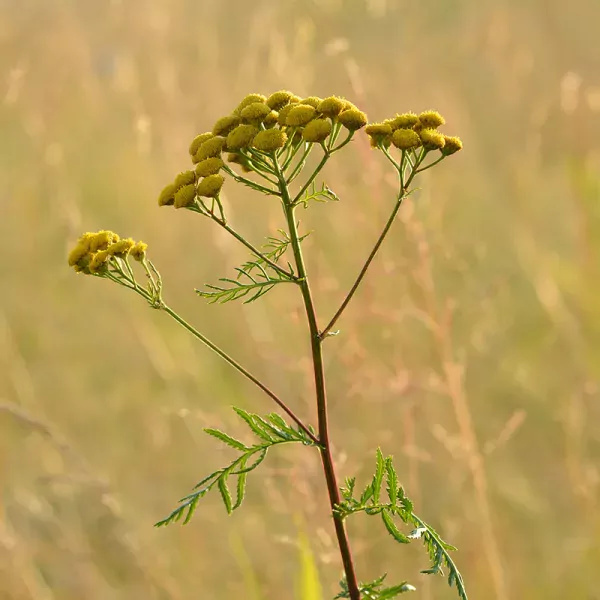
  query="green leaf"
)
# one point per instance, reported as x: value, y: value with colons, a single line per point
x: 227, y: 439
x: 253, y: 281
x: 392, y: 481
x: 366, y: 495
x: 393, y: 530
x: 250, y: 421
x: 278, y: 421
x: 241, y: 484
x: 378, y: 477
x: 225, y: 494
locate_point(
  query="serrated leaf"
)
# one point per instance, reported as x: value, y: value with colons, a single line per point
x: 366, y: 495
x: 249, y: 419
x: 392, y: 481
x: 241, y: 485
x: 227, y: 439
x: 280, y: 422
x: 348, y: 490
x: 225, y: 494
x: 392, y: 529
x: 201, y: 483
x: 378, y: 477
x: 270, y: 428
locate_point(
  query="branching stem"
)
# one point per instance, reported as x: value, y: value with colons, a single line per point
x: 319, y: 377
x: 241, y: 369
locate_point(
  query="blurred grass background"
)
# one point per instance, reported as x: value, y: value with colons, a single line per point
x: 471, y: 353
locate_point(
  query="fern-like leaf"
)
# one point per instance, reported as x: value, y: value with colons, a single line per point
x: 325, y: 194
x: 271, y: 431
x: 249, y: 285
x: 399, y: 505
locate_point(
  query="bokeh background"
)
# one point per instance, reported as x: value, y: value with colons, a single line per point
x: 471, y: 353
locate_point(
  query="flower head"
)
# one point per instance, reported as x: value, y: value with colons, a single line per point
x: 198, y: 141
x: 209, y: 166
x: 121, y: 248
x: 317, y: 130
x: 102, y: 240
x: 331, y: 106
x: 241, y: 137
x: 271, y: 119
x: 184, y: 178
x: 255, y: 112
x: 283, y: 113
x: 94, y: 252
x: 98, y: 261
x: 185, y: 196
x: 212, y: 147
x: 300, y: 114
x: 313, y: 101
x: 403, y: 121
x: 353, y: 119
x: 167, y: 196
x: 210, y: 186
x: 452, y: 145
x: 278, y: 100
x: 224, y: 125
x: 406, y: 139
x: 269, y: 140
x: 249, y: 99
x: 431, y: 119
x: 432, y: 139
x: 138, y: 252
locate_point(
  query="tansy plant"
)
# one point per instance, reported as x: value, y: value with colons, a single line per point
x: 264, y: 144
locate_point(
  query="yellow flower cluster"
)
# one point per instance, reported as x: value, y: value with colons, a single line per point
x: 409, y: 131
x: 258, y: 123
x: 93, y: 251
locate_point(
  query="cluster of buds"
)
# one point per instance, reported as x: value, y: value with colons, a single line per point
x: 94, y: 252
x: 409, y: 131
x: 259, y: 125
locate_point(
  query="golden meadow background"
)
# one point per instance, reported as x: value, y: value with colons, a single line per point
x: 471, y: 353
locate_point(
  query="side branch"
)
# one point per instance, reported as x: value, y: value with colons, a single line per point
x: 325, y: 332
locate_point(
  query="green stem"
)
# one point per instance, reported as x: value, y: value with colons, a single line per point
x: 435, y: 162
x: 368, y: 262
x: 241, y: 369
x: 252, y: 249
x: 306, y: 185
x: 319, y: 377
x: 249, y: 183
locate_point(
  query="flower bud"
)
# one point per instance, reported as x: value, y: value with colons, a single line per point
x: 167, y: 196
x: 184, y: 178
x: 185, y: 196
x: 431, y: 119
x: 210, y: 186
x: 278, y: 100
x: 353, y: 119
x: 255, y: 113
x: 241, y: 137
x: 225, y: 125
x: 432, y: 139
x: 452, y: 145
x: 249, y: 99
x: 331, y: 107
x: 406, y: 139
x: 270, y: 140
x: 198, y: 141
x: 300, y: 115
x: 138, y: 252
x: 403, y: 121
x: 317, y: 130
x: 212, y: 147
x: 313, y: 101
x: 209, y: 166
